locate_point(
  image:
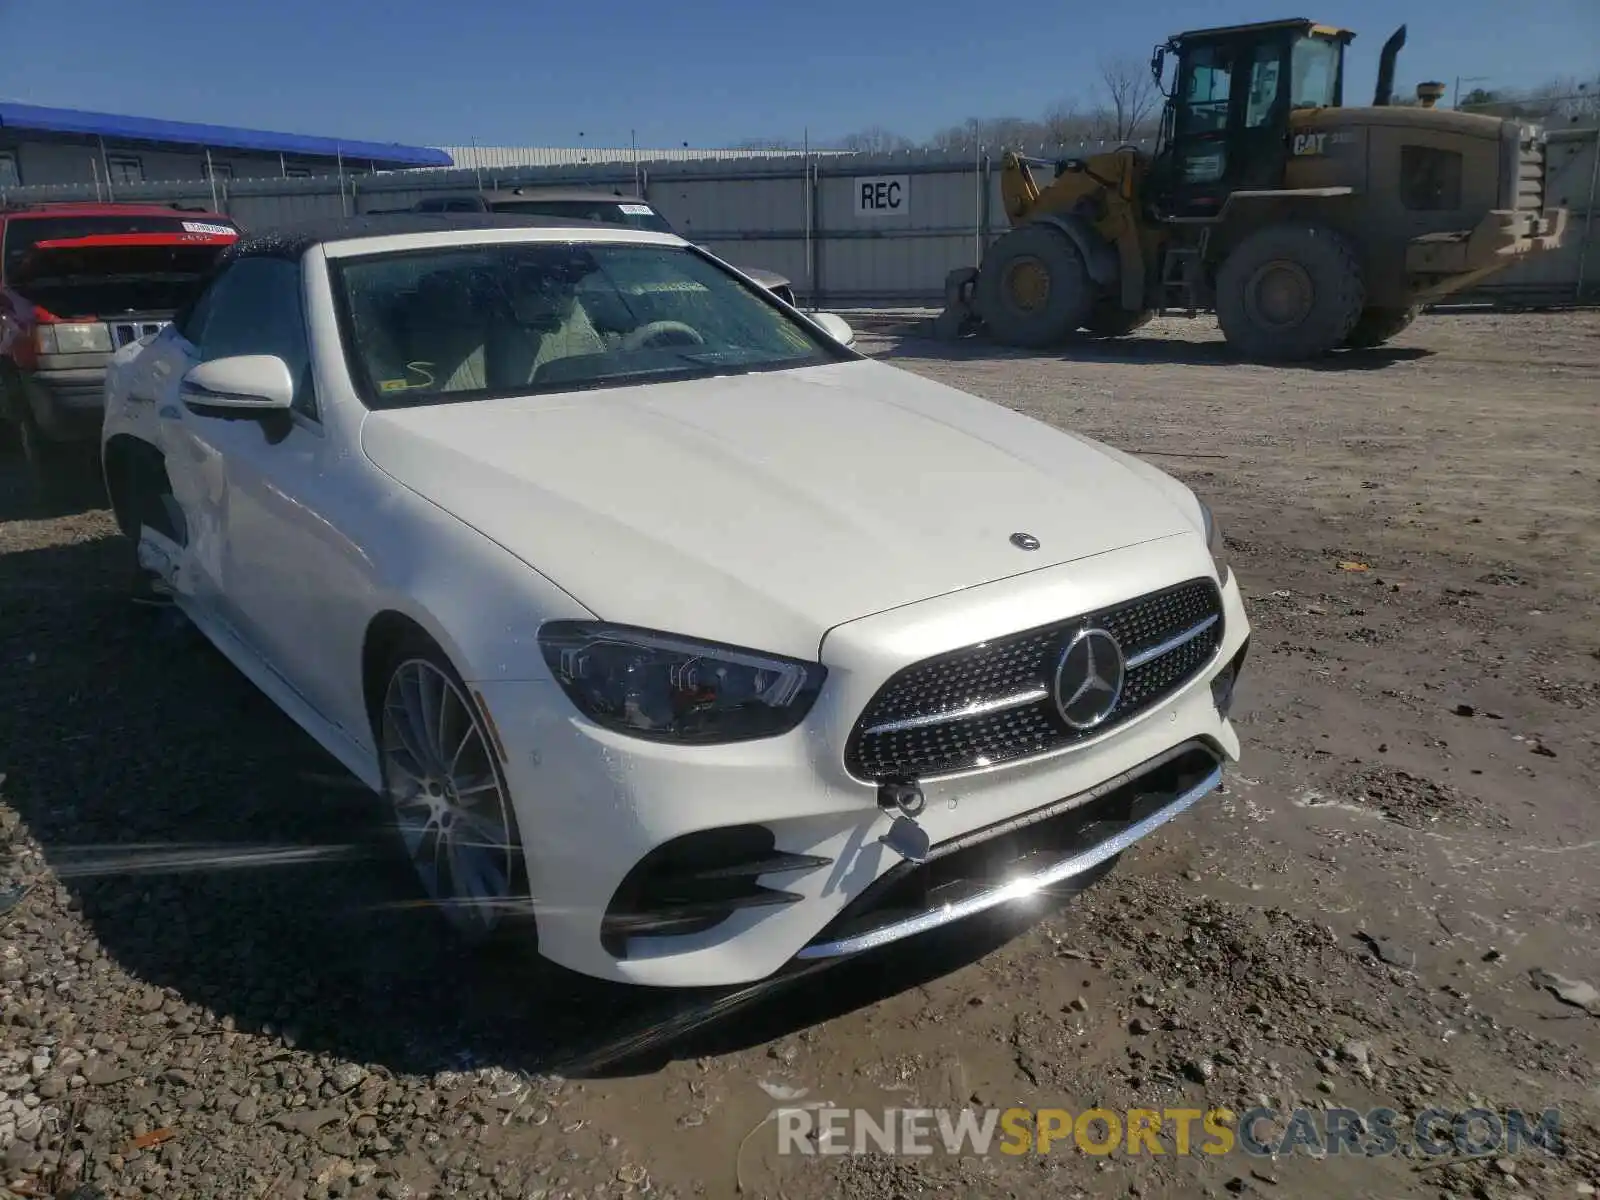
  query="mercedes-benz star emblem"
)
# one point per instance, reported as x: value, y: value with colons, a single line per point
x: 1024, y: 541
x: 1089, y: 678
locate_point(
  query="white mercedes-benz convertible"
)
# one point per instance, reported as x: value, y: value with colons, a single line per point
x: 675, y: 634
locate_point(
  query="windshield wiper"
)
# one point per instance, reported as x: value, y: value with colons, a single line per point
x: 713, y: 364
x: 623, y: 379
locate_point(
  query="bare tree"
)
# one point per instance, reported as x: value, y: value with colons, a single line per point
x: 1563, y: 102
x: 1127, y: 106
x: 875, y: 140
x: 1002, y: 133
x: 1557, y: 103
x: 1064, y: 124
x: 1128, y: 99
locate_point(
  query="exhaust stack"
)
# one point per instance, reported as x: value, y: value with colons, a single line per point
x: 1384, y: 93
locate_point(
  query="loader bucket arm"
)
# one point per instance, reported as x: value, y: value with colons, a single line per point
x: 1018, y: 188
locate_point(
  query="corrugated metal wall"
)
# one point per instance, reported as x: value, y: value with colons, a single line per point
x: 802, y: 215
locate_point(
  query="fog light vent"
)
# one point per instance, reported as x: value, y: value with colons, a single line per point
x: 1227, y: 679
x: 695, y: 882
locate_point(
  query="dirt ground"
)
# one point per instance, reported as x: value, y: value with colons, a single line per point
x: 206, y: 989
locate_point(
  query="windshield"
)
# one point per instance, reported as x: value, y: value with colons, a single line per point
x: 468, y: 322
x: 24, y: 233
x: 1314, y: 70
x: 632, y: 213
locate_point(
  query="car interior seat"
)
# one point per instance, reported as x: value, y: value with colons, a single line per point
x: 548, y: 307
x: 379, y: 332
x: 447, y: 328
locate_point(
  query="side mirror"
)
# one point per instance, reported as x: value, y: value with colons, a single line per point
x: 246, y: 385
x: 835, y: 327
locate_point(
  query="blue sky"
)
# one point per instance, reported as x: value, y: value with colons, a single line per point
x: 706, y: 72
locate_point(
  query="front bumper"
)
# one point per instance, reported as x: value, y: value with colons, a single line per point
x: 592, y: 805
x: 67, y: 403
x: 1017, y: 861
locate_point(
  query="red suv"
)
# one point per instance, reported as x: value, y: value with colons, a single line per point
x: 77, y: 283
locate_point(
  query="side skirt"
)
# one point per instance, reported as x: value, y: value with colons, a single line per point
x: 356, y: 759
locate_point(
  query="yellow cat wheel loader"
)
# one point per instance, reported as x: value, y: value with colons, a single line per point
x: 1305, y: 225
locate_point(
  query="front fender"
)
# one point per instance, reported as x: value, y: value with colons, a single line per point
x: 1099, y: 256
x: 481, y: 603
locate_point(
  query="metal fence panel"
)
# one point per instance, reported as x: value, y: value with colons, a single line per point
x: 702, y: 210
x: 904, y: 270
x: 806, y: 217
x: 786, y: 257
x: 257, y: 211
x: 910, y: 200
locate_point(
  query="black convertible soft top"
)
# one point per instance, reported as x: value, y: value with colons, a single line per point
x: 292, y: 241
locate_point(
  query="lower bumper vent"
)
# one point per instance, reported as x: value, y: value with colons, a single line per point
x: 695, y: 882
x: 1063, y: 848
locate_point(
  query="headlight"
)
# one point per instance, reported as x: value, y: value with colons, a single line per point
x: 1214, y: 543
x: 655, y: 685
x: 73, y: 338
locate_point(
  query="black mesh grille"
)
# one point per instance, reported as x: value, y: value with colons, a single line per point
x: 1017, y: 664
x: 125, y: 333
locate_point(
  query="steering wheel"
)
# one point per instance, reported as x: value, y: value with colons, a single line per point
x: 647, y: 334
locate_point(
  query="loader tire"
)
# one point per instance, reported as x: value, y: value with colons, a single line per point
x: 1034, y: 290
x: 1110, y: 320
x: 1289, y: 292
x: 1376, y: 326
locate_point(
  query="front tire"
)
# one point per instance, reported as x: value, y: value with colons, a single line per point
x: 1034, y: 290
x: 450, y: 807
x: 1288, y: 293
x: 62, y: 474
x: 52, y: 468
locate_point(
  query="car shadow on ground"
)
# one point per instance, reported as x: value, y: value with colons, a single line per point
x: 77, y: 491
x: 213, y: 849
x: 913, y: 341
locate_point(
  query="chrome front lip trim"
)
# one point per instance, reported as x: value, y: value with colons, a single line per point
x: 1171, y: 644
x: 1017, y: 889
x: 1034, y: 695
x: 977, y: 709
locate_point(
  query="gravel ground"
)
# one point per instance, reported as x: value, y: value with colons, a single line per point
x: 209, y: 986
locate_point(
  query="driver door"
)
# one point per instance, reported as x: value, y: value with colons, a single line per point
x: 182, y: 534
x: 1230, y: 127
x: 287, y: 574
x: 1200, y: 129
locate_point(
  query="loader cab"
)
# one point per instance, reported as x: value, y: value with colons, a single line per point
x: 1225, y: 127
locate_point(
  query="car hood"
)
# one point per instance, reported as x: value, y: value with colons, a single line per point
x: 767, y: 279
x: 764, y: 509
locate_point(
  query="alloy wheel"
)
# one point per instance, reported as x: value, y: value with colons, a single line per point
x: 450, y: 806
